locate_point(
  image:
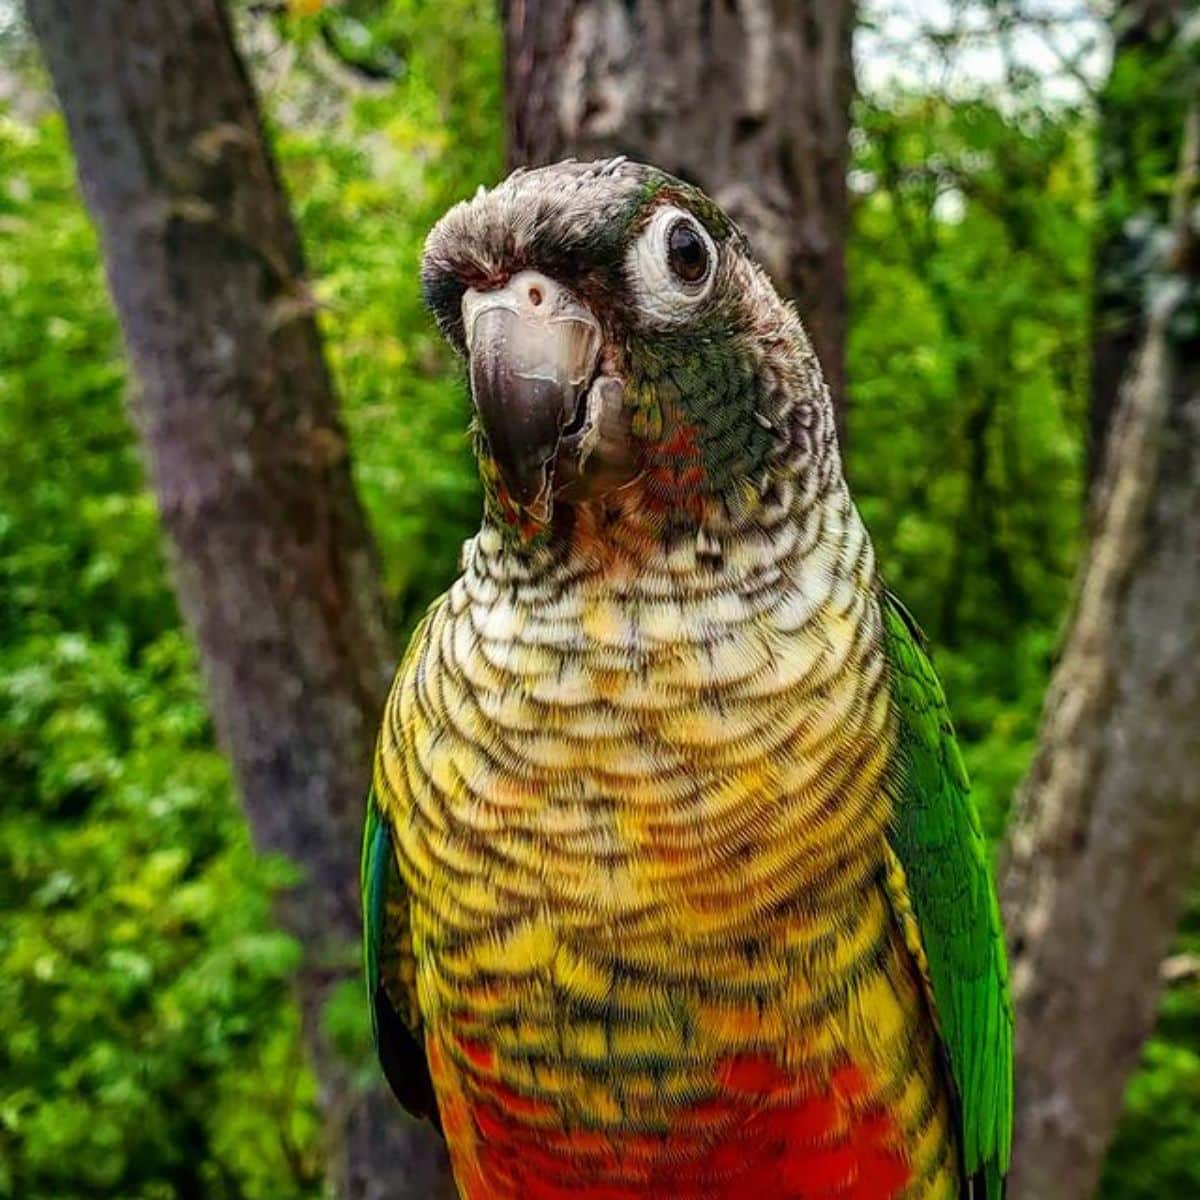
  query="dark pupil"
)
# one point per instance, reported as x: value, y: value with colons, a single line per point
x: 687, y: 253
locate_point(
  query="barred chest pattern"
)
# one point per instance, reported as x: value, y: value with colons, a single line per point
x: 638, y: 800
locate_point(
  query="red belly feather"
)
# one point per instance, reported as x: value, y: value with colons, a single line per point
x: 766, y: 1137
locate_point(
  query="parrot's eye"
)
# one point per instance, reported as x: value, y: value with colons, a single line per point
x: 671, y: 266
x: 686, y: 252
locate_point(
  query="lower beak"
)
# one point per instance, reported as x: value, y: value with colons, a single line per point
x: 533, y: 350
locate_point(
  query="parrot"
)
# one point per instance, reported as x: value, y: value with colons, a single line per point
x: 672, y: 882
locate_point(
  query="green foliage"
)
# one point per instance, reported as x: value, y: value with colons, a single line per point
x: 1153, y: 68
x: 968, y: 352
x: 1157, y: 1147
x: 368, y: 185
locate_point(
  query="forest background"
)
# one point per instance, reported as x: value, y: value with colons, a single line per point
x: 149, y: 1040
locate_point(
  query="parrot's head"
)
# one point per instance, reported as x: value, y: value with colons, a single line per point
x: 627, y: 357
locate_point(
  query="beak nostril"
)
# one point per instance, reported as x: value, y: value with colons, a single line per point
x: 535, y: 296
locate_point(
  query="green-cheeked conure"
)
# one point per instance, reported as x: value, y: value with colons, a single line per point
x: 672, y: 883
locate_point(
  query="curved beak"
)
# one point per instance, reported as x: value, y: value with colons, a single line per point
x: 533, y: 350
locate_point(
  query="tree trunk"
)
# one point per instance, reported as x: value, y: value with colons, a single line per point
x: 1107, y: 832
x: 749, y: 100
x: 1137, y: 141
x: 273, y: 563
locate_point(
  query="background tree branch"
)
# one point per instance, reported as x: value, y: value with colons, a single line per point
x: 749, y: 100
x: 1106, y: 833
x: 273, y: 563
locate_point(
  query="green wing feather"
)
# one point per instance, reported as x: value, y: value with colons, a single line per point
x: 391, y: 969
x: 937, y: 838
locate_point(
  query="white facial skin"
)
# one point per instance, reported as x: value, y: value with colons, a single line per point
x: 665, y: 298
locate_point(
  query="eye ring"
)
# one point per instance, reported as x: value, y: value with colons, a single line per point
x: 671, y: 268
x: 687, y: 253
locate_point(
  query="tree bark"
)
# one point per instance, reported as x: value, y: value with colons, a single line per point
x: 1106, y: 836
x: 749, y: 100
x: 273, y: 562
x: 1138, y: 134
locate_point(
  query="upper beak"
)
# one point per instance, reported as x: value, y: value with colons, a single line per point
x: 533, y: 350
